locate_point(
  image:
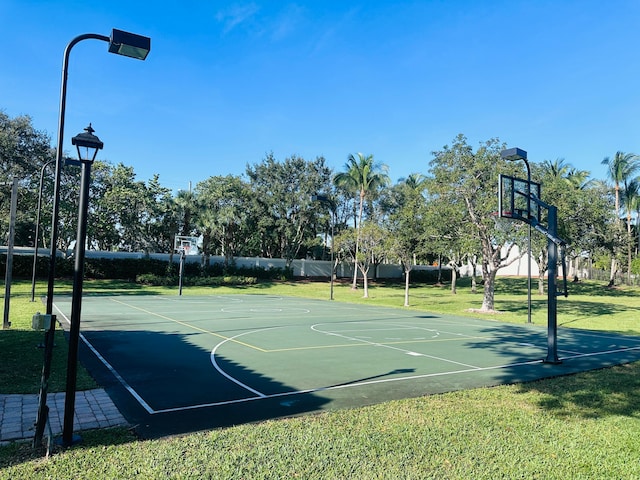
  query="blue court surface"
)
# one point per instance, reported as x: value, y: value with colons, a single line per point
x: 176, y: 364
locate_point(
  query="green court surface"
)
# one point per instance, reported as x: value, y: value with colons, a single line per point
x: 182, y: 363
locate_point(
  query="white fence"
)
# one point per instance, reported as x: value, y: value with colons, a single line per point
x: 301, y: 268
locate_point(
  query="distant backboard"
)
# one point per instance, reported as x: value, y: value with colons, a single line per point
x: 186, y: 244
x: 514, y: 199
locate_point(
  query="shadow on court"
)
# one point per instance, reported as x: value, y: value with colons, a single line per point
x: 172, y: 380
x: 178, y: 365
x: 578, y: 350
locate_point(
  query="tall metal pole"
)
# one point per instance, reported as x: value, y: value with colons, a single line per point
x: 37, y: 233
x: 60, y: 146
x: 76, y: 306
x: 552, y: 310
x: 528, y: 241
x: 9, y: 266
x: 49, y: 334
x: 121, y: 43
x: 333, y: 263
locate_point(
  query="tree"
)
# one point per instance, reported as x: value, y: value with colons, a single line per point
x: 223, y: 210
x: 371, y: 252
x: 404, y: 205
x: 470, y: 180
x: 23, y: 152
x: 620, y: 169
x: 161, y: 223
x: 630, y: 200
x: 186, y: 205
x: 363, y: 177
x: 281, y: 203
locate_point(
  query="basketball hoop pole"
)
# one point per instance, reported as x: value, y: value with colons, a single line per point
x: 181, y: 274
x: 553, y: 241
x: 506, y: 186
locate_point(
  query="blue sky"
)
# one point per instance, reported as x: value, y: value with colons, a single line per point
x: 227, y: 82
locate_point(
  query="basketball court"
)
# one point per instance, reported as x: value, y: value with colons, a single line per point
x: 176, y: 364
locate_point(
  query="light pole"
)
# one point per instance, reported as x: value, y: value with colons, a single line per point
x: 121, y: 43
x: 515, y: 154
x: 332, y: 205
x: 37, y: 234
x: 88, y: 145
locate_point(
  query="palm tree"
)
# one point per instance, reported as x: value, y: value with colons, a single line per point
x: 415, y: 181
x: 620, y: 169
x: 556, y: 169
x: 630, y: 200
x: 363, y: 177
x: 186, y: 203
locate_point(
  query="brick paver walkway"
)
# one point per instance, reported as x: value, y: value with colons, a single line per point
x: 93, y: 409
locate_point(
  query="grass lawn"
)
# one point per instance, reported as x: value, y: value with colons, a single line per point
x: 580, y: 426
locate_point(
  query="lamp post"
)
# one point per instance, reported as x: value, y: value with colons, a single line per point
x: 121, y: 43
x: 515, y: 154
x: 332, y: 205
x: 37, y: 233
x: 87, y: 145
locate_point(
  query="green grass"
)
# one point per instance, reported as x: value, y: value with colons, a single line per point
x: 582, y: 426
x: 579, y: 426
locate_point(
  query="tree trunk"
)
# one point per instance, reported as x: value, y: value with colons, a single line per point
x: 542, y: 263
x: 630, y: 241
x: 366, y: 282
x: 354, y: 286
x: 474, y: 282
x: 612, y: 274
x: 489, y: 288
x: 454, y: 277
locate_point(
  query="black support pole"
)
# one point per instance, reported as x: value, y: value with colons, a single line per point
x: 76, y: 304
x: 552, y: 310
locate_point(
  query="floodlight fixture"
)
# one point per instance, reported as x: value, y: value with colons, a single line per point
x: 514, y: 154
x: 129, y: 44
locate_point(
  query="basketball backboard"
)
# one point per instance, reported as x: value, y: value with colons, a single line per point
x: 186, y: 244
x: 515, y: 199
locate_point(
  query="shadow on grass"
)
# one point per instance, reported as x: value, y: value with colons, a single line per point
x: 16, y: 453
x: 594, y: 394
x: 22, y: 359
x: 572, y: 307
x: 582, y: 384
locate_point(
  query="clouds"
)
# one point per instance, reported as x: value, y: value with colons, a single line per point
x: 237, y: 15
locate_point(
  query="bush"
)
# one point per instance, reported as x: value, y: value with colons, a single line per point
x: 197, y: 281
x: 430, y: 276
x: 132, y: 268
x: 156, y: 280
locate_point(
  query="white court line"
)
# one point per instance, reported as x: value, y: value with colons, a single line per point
x: 261, y: 396
x: 343, y: 386
x: 124, y: 383
x: 391, y: 347
x: 379, y: 381
x: 225, y: 374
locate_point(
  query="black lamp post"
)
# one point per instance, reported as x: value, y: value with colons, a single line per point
x: 121, y: 43
x: 88, y: 145
x: 515, y: 154
x: 332, y: 205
